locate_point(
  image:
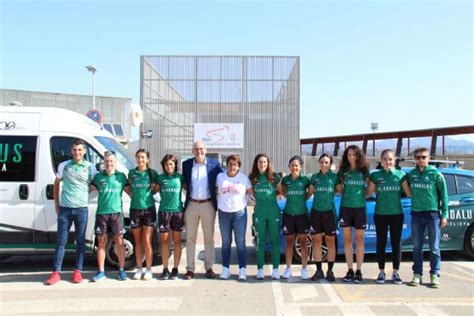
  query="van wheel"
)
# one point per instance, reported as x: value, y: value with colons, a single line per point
x: 111, y: 252
x: 297, y: 250
x: 469, y: 242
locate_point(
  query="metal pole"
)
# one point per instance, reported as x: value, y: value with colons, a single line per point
x: 93, y: 90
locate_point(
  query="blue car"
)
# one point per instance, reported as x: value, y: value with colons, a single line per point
x: 458, y: 235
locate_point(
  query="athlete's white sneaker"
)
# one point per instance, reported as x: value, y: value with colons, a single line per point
x: 225, y: 274
x: 287, y: 274
x: 275, y: 274
x: 260, y: 274
x: 148, y: 275
x: 242, y: 274
x: 138, y: 274
x: 304, y: 274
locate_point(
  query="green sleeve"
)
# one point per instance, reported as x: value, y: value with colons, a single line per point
x: 307, y: 181
x: 373, y: 177
x: 124, y: 180
x: 276, y: 178
x: 155, y: 175
x: 158, y: 180
x: 339, y: 177
x: 94, y: 181
x: 443, y: 195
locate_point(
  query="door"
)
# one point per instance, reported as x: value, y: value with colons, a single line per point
x: 18, y: 156
x: 461, y: 206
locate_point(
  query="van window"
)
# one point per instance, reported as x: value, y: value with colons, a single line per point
x: 17, y: 158
x: 125, y: 158
x: 61, y: 151
x: 465, y: 184
x: 450, y: 183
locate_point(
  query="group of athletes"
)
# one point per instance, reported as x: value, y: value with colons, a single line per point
x: 424, y: 184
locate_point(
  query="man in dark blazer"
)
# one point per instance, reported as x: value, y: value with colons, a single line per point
x: 200, y: 175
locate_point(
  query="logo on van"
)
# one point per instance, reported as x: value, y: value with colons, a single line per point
x: 7, y: 126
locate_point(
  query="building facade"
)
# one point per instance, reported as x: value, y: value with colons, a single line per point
x: 236, y: 104
x: 114, y: 110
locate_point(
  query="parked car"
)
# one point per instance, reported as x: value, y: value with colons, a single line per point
x: 458, y: 235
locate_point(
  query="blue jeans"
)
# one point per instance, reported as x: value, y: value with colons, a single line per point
x: 66, y: 217
x: 237, y: 222
x: 431, y: 221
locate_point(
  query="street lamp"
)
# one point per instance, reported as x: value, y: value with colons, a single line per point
x: 93, y: 70
x: 374, y: 126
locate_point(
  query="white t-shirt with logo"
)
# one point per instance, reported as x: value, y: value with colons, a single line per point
x: 232, y: 191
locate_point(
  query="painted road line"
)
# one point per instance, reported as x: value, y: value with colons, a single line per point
x: 282, y: 309
x: 304, y: 292
x: 425, y: 309
x: 331, y: 293
x: 118, y: 304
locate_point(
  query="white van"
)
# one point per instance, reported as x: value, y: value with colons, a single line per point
x: 33, y: 141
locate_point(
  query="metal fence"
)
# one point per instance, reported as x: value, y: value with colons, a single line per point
x: 261, y: 92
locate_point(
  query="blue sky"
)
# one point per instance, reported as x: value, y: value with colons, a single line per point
x: 403, y: 64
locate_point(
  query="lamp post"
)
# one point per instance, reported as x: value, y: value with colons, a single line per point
x: 93, y: 70
x: 374, y: 126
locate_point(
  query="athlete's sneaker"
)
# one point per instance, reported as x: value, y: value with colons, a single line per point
x: 349, y: 276
x: 396, y: 278
x: 330, y: 276
x: 304, y: 274
x: 99, y: 276
x: 416, y: 280
x: 318, y: 275
x: 54, y: 278
x: 122, y: 275
x: 287, y: 274
x: 174, y: 274
x: 434, y: 281
x: 275, y: 274
x: 242, y: 274
x: 225, y: 274
x: 165, y: 275
x: 77, y: 276
x: 138, y: 274
x: 260, y: 274
x: 381, y: 278
x: 148, y: 275
x: 358, y: 277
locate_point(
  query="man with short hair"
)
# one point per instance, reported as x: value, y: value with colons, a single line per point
x: 429, y: 210
x: 109, y: 217
x: 72, y: 207
x: 200, y: 175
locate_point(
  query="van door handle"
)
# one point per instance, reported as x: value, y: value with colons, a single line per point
x: 49, y: 192
x: 24, y: 192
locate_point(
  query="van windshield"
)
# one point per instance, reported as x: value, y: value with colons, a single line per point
x: 121, y: 152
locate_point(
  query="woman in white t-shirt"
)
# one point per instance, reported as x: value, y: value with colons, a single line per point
x: 232, y: 189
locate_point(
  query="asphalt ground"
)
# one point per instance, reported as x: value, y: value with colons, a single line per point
x: 22, y: 291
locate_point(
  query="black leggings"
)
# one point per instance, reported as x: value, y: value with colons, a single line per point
x: 382, y: 224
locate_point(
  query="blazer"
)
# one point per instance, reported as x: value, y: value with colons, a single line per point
x: 213, y: 169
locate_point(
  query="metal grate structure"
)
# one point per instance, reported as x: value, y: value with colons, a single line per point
x: 260, y: 92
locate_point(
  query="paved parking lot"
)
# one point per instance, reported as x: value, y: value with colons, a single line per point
x: 22, y: 291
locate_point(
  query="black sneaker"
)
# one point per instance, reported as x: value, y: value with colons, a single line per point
x: 349, y: 276
x: 174, y: 274
x: 318, y: 275
x: 396, y: 278
x: 165, y: 275
x: 381, y: 278
x: 330, y: 276
x: 358, y: 277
